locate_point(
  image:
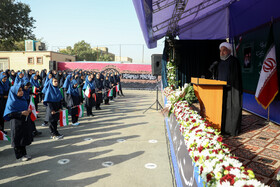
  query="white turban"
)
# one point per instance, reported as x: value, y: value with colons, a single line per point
x: 227, y: 45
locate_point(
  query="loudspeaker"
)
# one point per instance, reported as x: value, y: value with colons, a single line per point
x: 52, y: 65
x: 156, y: 64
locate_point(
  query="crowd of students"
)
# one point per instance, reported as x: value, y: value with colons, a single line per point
x: 56, y: 90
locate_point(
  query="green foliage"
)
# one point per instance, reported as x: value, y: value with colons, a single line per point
x: 15, y: 24
x: 105, y: 57
x: 82, y: 51
x: 190, y: 95
x: 171, y: 74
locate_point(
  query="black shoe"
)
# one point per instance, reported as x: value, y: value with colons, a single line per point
x: 36, y: 133
x: 91, y: 115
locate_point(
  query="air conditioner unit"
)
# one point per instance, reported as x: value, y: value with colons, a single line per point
x: 40, y: 46
x: 30, y: 45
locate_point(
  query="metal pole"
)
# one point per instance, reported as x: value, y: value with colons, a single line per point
x: 268, y: 113
x: 143, y: 54
x: 157, y: 93
x: 120, y: 52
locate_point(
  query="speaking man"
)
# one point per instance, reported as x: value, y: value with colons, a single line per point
x: 229, y: 69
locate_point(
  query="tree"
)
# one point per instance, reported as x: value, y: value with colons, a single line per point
x: 15, y: 23
x: 81, y: 50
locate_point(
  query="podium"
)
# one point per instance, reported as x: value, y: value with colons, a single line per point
x: 210, y: 96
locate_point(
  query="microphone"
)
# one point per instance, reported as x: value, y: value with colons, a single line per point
x: 213, y: 65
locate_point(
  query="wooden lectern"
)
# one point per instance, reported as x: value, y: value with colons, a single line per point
x: 210, y: 96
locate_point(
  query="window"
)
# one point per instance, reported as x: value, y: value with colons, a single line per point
x: 39, y: 60
x: 30, y: 60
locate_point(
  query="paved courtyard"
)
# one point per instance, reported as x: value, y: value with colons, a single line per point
x: 110, y: 149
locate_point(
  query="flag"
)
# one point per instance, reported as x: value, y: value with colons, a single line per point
x: 81, y: 111
x: 238, y: 45
x: 11, y: 81
x: 61, y: 91
x: 4, y: 136
x: 87, y: 92
x: 267, y: 87
x: 33, y: 114
x: 117, y: 88
x: 34, y: 90
x: 63, y: 118
x: 83, y: 94
x: 110, y: 93
x: 39, y: 81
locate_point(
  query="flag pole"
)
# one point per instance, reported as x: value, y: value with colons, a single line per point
x: 268, y: 113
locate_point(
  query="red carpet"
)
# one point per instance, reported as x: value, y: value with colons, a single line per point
x: 258, y: 147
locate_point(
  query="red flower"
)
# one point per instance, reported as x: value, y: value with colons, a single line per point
x: 207, y: 157
x: 209, y: 177
x: 215, y: 151
x: 200, y: 148
x: 193, y: 120
x: 229, y: 178
x: 200, y: 130
x: 201, y: 170
x: 196, y: 158
x: 219, y: 139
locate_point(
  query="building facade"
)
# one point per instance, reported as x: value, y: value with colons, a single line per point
x: 38, y: 60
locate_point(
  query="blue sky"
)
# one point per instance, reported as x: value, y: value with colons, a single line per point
x: 109, y: 23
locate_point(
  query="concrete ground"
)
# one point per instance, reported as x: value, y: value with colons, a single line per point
x: 119, y: 133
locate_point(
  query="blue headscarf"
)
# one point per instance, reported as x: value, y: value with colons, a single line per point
x: 47, y: 80
x: 26, y: 92
x: 14, y: 103
x: 71, y: 90
x: 18, y: 80
x: 34, y: 82
x: 46, y: 85
x: 90, y: 83
x: 52, y: 94
x: 67, y: 81
x: 5, y: 85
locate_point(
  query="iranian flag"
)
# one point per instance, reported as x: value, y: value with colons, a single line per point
x: 34, y: 90
x: 33, y: 114
x: 117, y: 88
x: 83, y: 94
x: 61, y: 91
x: 267, y: 87
x: 4, y: 136
x: 11, y: 81
x: 87, y: 92
x: 81, y: 110
x: 110, y: 93
x: 63, y: 118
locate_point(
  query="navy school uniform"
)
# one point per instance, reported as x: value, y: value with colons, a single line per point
x: 21, y: 131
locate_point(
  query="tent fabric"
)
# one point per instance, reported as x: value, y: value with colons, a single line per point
x: 203, y: 19
x: 246, y: 15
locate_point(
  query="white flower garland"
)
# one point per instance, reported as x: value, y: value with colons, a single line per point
x: 217, y: 166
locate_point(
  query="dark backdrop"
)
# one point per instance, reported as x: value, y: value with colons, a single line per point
x: 194, y: 57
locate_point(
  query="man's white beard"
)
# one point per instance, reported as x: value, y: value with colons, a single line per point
x: 224, y: 57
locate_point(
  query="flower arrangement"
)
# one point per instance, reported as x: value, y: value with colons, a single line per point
x: 171, y: 74
x: 217, y: 166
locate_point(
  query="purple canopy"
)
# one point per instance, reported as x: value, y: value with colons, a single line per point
x: 202, y: 19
